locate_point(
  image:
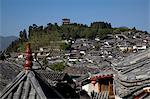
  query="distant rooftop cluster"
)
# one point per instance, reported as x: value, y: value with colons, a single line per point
x: 116, y: 67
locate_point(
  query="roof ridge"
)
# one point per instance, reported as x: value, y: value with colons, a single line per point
x: 36, y: 85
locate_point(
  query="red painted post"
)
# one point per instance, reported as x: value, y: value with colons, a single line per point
x: 28, y: 57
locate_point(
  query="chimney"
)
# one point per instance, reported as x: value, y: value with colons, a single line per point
x: 28, y: 57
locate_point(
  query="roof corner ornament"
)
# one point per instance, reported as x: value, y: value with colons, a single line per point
x: 28, y: 57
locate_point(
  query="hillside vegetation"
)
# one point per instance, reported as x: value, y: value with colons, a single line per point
x: 49, y: 35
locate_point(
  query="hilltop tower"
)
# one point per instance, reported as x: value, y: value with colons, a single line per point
x: 65, y: 21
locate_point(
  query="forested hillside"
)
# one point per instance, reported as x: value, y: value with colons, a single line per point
x: 40, y: 36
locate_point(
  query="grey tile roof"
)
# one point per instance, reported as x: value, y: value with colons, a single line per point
x: 29, y: 86
x: 80, y: 71
x: 82, y: 78
x: 8, y: 71
x: 133, y: 58
x: 54, y: 77
x: 104, y: 72
x: 131, y: 78
x: 85, y: 78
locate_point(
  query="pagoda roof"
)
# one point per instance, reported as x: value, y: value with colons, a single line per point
x: 29, y: 85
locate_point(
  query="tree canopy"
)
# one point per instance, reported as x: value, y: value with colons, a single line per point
x: 40, y: 36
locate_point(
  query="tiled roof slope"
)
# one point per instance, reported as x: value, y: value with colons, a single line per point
x: 54, y: 76
x: 8, y: 71
x: 132, y: 77
x: 29, y: 86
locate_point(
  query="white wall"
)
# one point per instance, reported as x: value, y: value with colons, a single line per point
x: 90, y: 87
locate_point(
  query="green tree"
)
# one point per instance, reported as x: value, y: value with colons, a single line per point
x: 21, y: 47
x: 64, y: 46
x: 134, y: 29
x: 23, y: 35
x: 116, y: 31
x: 102, y: 33
x: 58, y: 66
